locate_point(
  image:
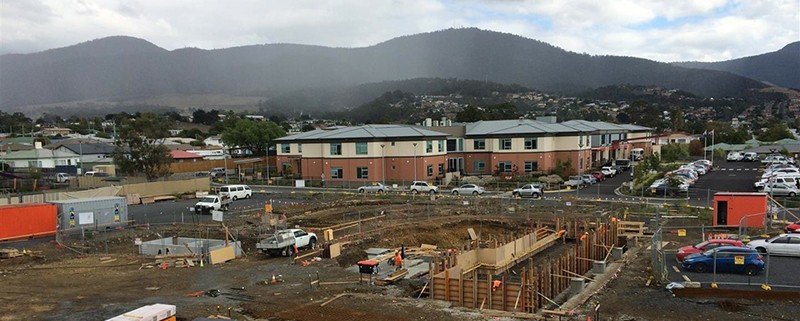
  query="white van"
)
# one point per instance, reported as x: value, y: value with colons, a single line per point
x: 637, y: 154
x: 236, y: 192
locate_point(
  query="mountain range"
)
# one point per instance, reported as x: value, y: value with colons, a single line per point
x: 125, y: 67
x: 779, y: 68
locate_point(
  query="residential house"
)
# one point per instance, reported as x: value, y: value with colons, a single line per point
x: 42, y: 158
x: 180, y: 156
x: 90, y: 152
x: 56, y: 131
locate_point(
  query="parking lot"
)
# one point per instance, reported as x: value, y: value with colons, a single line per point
x: 780, y: 273
x: 725, y: 177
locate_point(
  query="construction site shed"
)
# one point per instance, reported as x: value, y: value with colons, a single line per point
x: 740, y: 209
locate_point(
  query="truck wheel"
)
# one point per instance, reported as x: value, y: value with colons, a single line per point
x: 311, y: 243
x: 475, y: 193
x: 431, y: 192
x: 413, y: 191
x: 287, y: 251
x: 361, y: 191
x: 247, y: 196
x: 455, y: 192
x: 536, y: 195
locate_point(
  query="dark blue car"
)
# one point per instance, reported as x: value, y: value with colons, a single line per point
x: 729, y: 259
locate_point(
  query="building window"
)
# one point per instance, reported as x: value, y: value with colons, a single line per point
x: 442, y: 145
x: 504, y: 167
x: 430, y: 170
x: 336, y: 149
x: 531, y: 143
x: 34, y: 164
x: 603, y: 139
x: 361, y: 148
x: 460, y: 144
x: 479, y: 144
x: 505, y: 143
x: 286, y: 167
x: 336, y: 172
x: 299, y: 148
x: 531, y: 167
x: 479, y: 166
x: 441, y: 169
x: 362, y: 172
x: 286, y: 148
x: 429, y: 146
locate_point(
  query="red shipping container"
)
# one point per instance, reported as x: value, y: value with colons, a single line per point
x: 745, y: 209
x: 27, y: 220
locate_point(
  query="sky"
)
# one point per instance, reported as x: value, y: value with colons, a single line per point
x: 662, y: 30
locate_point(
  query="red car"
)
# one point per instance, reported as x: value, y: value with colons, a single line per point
x: 705, y: 246
x: 599, y: 176
x: 793, y: 228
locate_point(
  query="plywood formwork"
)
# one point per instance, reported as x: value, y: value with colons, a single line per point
x: 465, y: 279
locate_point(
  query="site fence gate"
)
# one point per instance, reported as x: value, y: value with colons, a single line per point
x: 658, y: 260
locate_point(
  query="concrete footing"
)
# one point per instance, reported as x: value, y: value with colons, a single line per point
x: 576, y: 285
x: 599, y: 267
x: 616, y: 253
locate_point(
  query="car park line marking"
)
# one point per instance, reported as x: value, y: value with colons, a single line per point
x: 686, y: 278
x: 676, y: 269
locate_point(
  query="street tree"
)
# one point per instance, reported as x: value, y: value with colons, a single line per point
x: 140, y: 147
x: 252, y: 135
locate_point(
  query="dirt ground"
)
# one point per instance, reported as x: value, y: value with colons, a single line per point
x: 57, y: 283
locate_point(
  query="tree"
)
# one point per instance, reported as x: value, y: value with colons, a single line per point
x: 775, y: 132
x: 676, y: 116
x: 206, y: 118
x: 674, y: 152
x: 140, y: 149
x: 696, y: 148
x: 252, y: 135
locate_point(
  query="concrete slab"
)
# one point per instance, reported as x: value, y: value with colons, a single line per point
x: 376, y: 251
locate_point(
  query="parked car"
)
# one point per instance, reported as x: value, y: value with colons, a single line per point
x: 468, y: 189
x: 735, y: 157
x: 623, y: 164
x: 418, y: 187
x: 726, y: 259
x: 61, y: 178
x: 788, y: 180
x: 529, y: 190
x: 374, y: 188
x: 236, y: 192
x: 609, y: 171
x: 283, y: 242
x: 95, y: 174
x: 750, y: 157
x: 588, y: 179
x: 705, y: 162
x: 599, y: 176
x: 212, y: 203
x: 701, y: 247
x: 776, y: 189
x: 574, y: 182
x: 637, y: 154
x: 779, y: 171
x: 216, y: 172
x: 700, y: 170
x: 775, y: 159
x: 793, y: 227
x: 784, y: 244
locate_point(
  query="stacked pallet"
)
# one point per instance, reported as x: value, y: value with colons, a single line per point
x: 156, y: 312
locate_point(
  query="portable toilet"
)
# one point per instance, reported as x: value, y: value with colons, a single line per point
x: 736, y: 208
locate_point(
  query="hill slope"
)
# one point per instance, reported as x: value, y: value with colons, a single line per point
x: 131, y: 67
x: 781, y: 68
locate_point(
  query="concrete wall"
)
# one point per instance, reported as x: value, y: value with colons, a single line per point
x: 176, y: 246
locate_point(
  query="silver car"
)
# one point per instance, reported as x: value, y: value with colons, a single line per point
x: 784, y: 244
x: 779, y: 189
x: 468, y: 189
x: 529, y: 190
x: 374, y: 188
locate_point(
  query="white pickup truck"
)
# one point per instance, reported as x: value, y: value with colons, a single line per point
x: 282, y: 243
x: 212, y: 203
